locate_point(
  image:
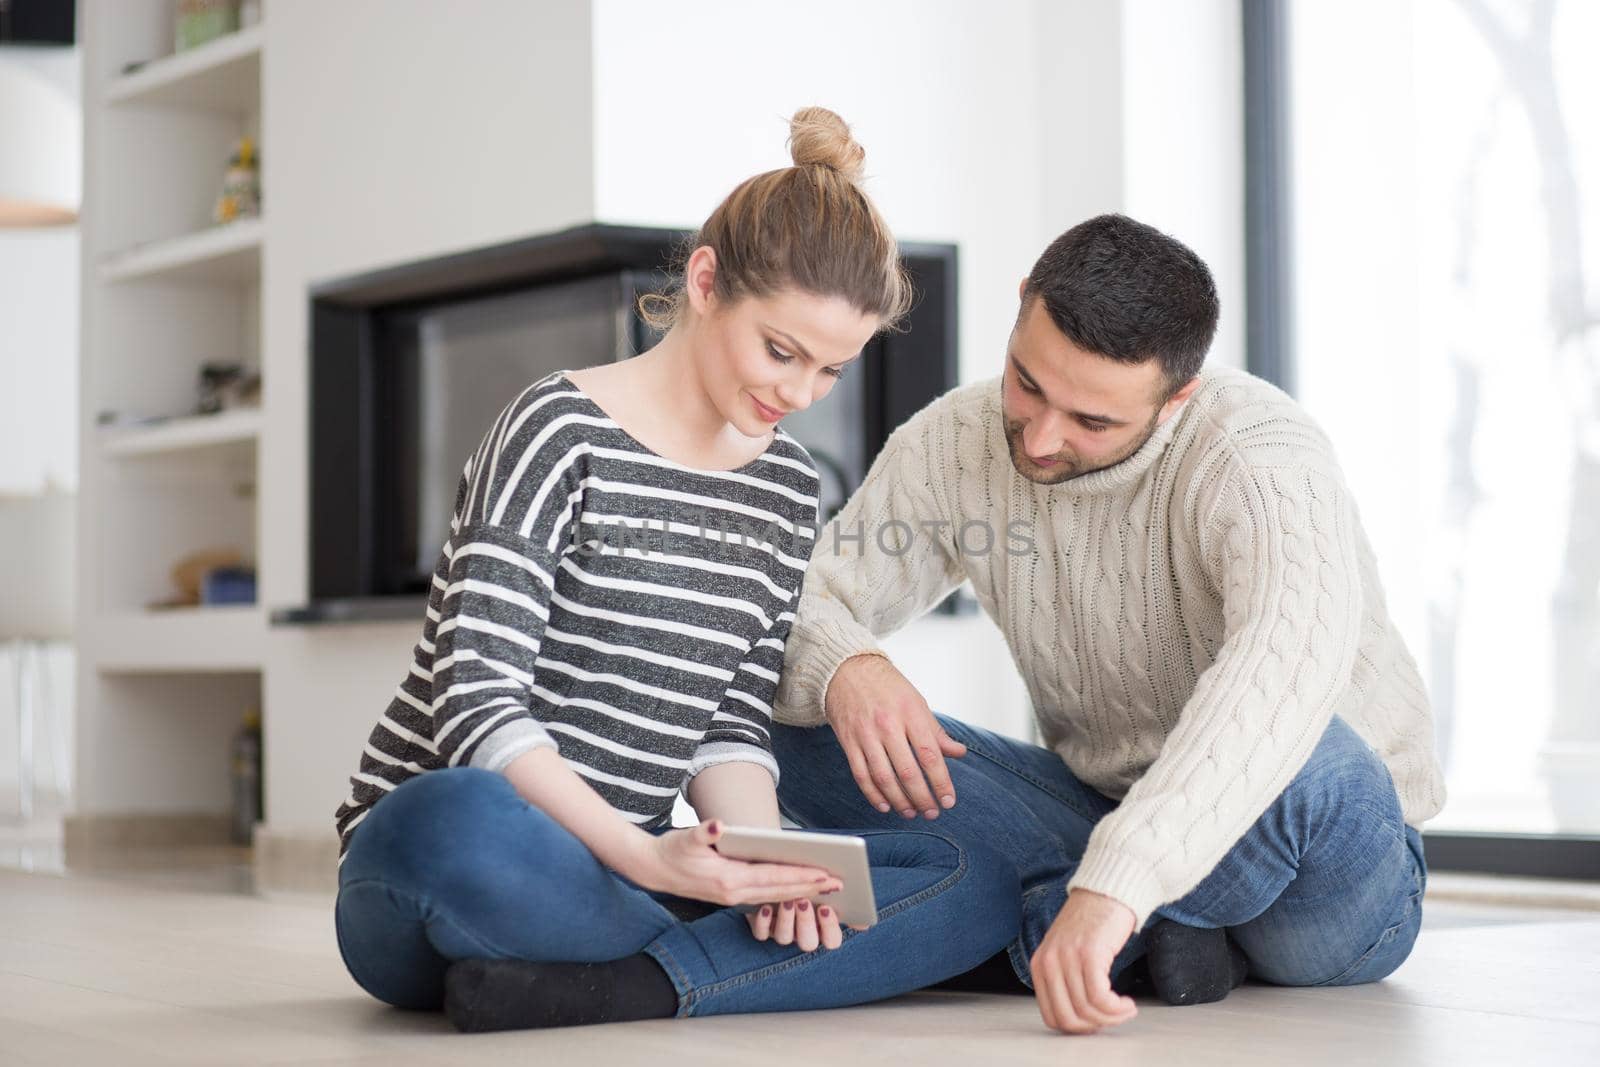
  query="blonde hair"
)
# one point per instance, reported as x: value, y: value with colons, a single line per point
x: 809, y: 227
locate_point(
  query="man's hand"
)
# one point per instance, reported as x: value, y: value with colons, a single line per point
x: 1072, y: 968
x: 895, y: 746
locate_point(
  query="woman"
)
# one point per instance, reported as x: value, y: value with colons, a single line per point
x: 605, y: 629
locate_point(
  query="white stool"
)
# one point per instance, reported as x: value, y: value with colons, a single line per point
x: 29, y: 666
x: 36, y: 571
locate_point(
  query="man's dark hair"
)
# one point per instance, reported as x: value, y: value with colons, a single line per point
x: 1129, y: 292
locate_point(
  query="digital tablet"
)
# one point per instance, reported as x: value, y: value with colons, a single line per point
x: 841, y: 855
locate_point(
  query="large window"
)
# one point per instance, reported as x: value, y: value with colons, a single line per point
x: 1444, y: 172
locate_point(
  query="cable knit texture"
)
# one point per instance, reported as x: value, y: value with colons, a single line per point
x: 1187, y: 622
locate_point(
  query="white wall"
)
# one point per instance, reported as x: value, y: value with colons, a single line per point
x: 39, y: 324
x: 1183, y: 155
x: 1144, y: 114
x: 1079, y: 53
x: 392, y: 130
x: 39, y: 360
x: 943, y: 94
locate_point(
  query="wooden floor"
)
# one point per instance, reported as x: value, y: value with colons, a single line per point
x: 158, y: 965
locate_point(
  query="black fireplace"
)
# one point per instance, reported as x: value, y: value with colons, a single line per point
x: 411, y: 364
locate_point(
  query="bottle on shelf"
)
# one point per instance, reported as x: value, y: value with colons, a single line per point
x: 247, y: 794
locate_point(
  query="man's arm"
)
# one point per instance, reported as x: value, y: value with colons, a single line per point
x: 1282, y: 546
x: 887, y: 558
x: 884, y: 560
x: 1284, y: 549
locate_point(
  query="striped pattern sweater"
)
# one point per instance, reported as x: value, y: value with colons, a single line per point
x: 596, y: 598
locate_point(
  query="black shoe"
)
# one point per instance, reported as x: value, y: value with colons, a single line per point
x: 1192, y: 965
x: 1134, y: 981
x: 483, y: 995
x: 993, y: 975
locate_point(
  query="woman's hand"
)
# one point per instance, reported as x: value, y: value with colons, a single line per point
x: 685, y: 863
x: 797, y: 922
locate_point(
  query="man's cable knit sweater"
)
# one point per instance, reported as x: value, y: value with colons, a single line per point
x: 1187, y: 621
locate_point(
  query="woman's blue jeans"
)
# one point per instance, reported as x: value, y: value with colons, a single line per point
x: 1325, y: 888
x: 455, y: 864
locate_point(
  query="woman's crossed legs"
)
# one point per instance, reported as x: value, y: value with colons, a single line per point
x: 456, y: 865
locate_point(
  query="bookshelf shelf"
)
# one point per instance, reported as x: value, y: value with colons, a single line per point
x: 221, y: 76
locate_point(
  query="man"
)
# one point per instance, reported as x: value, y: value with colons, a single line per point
x: 1238, y: 745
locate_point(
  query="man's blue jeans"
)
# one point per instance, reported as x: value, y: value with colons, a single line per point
x: 1325, y: 888
x: 455, y: 864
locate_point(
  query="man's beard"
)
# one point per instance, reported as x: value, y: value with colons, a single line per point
x: 1071, y: 467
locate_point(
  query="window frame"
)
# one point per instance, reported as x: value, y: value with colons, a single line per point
x: 1269, y: 354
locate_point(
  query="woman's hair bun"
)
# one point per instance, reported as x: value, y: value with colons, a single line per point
x: 818, y: 137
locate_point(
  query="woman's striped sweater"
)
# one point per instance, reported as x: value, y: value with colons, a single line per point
x: 596, y: 598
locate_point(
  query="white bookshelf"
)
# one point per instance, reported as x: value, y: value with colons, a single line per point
x: 164, y: 292
x: 221, y: 76
x: 225, y: 637
x: 229, y: 254
x: 190, y: 433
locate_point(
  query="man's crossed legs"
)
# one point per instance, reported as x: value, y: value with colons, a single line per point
x: 1325, y: 888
